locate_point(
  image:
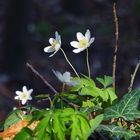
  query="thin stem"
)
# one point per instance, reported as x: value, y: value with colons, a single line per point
x: 116, y: 44
x: 87, y: 62
x: 41, y: 77
x: 133, y: 76
x: 63, y: 87
x: 69, y: 63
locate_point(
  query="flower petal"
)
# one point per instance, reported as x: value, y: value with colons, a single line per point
x: 24, y: 89
x: 23, y: 102
x: 80, y: 36
x: 58, y: 75
x: 66, y: 76
x: 74, y: 44
x: 51, y: 40
x: 91, y: 40
x: 78, y: 50
x: 18, y: 92
x: 87, y: 34
x: 30, y: 91
x: 30, y: 98
x: 48, y: 49
x: 16, y: 97
x: 58, y: 37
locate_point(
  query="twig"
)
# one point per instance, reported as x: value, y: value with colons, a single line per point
x: 116, y: 44
x: 41, y: 77
x: 133, y: 76
x: 70, y: 103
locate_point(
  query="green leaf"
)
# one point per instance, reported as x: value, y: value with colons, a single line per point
x: 59, y: 126
x: 13, y: 118
x: 94, y: 123
x: 40, y: 130
x: 111, y: 93
x: 116, y: 131
x: 126, y: 108
x: 78, y: 127
x: 24, y: 134
x: 106, y: 81
x: 92, y: 91
x: 42, y: 96
x: 83, y: 82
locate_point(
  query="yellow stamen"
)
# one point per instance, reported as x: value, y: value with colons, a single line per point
x: 24, y: 96
x: 83, y: 43
x: 54, y: 44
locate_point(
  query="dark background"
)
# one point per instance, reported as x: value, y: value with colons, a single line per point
x: 27, y: 25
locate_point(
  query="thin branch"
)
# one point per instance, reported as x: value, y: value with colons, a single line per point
x: 41, y: 77
x: 70, y: 103
x: 116, y: 44
x: 133, y: 76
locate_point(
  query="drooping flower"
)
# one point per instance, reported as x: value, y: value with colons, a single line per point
x: 65, y: 78
x: 84, y: 41
x: 24, y: 95
x: 55, y: 44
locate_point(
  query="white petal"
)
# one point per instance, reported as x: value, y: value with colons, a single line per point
x: 87, y: 34
x: 66, y: 76
x: 30, y: 91
x: 58, y: 75
x: 23, y: 102
x: 48, y: 49
x: 16, y: 98
x: 30, y: 98
x: 78, y: 50
x: 18, y: 92
x: 91, y: 40
x: 51, y: 40
x: 74, y: 44
x: 57, y: 37
x: 24, y: 89
x: 80, y: 36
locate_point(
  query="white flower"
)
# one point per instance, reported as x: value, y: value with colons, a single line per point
x: 64, y: 78
x: 55, y: 44
x: 83, y: 42
x: 24, y: 95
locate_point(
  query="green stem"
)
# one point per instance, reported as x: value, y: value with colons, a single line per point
x: 87, y: 63
x: 69, y: 63
x: 63, y: 87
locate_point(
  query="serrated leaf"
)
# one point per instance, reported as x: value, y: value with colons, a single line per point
x: 78, y: 127
x: 59, y: 126
x: 106, y: 81
x: 126, y: 108
x: 92, y: 91
x: 111, y: 93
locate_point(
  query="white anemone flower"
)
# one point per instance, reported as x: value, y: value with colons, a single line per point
x: 84, y: 41
x: 24, y: 95
x: 65, y: 78
x: 55, y: 44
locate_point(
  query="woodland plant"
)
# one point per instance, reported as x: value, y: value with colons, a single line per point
x: 84, y: 109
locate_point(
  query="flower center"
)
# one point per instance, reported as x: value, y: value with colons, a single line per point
x: 83, y: 43
x: 54, y: 44
x: 24, y: 96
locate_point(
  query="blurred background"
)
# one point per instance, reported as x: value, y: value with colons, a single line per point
x: 27, y: 25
